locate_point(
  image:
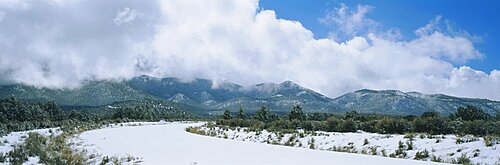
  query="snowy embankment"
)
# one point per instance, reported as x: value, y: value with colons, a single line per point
x: 12, y: 139
x: 442, y: 148
x: 169, y: 143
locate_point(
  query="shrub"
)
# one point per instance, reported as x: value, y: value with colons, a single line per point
x: 196, y: 130
x: 409, y: 136
x: 311, y: 144
x: 463, y: 159
x: 373, y: 150
x: 393, y: 125
x: 409, y: 145
x: 227, y: 115
x: 400, y: 152
x: 333, y: 124
x: 348, y: 125
x: 459, y: 140
x: 470, y: 113
x: 436, y: 159
x: 2, y: 158
x: 17, y: 155
x: 296, y: 113
x: 488, y: 141
x: 369, y: 126
x: 422, y: 155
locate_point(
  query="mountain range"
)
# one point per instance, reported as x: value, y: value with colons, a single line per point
x: 205, y: 96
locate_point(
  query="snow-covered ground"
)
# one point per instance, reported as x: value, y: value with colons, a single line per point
x: 444, y: 147
x: 8, y: 141
x: 12, y: 139
x: 169, y: 143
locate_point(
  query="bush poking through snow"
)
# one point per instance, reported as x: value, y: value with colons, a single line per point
x: 115, y: 160
x: 348, y: 149
x: 436, y: 159
x: 291, y: 141
x: 196, y: 130
x: 463, y: 159
x: 2, y: 158
x: 409, y: 136
x: 489, y: 141
x: 409, y: 145
x: 366, y: 142
x: 459, y: 140
x: 311, y: 144
x: 373, y: 150
x: 422, y: 155
x: 400, y: 152
x: 50, y: 150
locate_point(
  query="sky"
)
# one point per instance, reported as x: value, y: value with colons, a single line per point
x: 333, y: 47
x: 478, y: 18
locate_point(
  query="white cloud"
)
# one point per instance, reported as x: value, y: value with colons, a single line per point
x: 125, y: 16
x: 229, y: 40
x: 430, y: 28
x: 349, y: 23
x: 465, y: 81
x: 456, y: 47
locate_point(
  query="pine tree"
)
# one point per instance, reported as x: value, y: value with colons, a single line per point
x: 241, y: 114
x: 296, y: 113
x: 262, y: 114
x: 54, y: 111
x: 227, y: 115
x: 469, y: 113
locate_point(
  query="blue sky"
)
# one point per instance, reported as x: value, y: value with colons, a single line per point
x: 478, y: 18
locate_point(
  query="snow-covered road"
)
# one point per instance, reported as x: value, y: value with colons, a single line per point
x: 171, y: 144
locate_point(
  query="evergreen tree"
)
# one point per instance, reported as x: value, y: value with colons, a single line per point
x: 393, y: 125
x: 54, y: 111
x: 429, y: 114
x: 241, y: 114
x: 470, y: 113
x: 296, y: 113
x: 227, y: 115
x: 348, y: 125
x: 354, y: 115
x: 262, y: 114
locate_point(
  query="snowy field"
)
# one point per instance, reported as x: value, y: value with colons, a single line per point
x: 12, y: 139
x: 446, y: 148
x: 169, y: 143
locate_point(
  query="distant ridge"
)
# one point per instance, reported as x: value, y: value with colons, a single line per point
x: 404, y: 103
x: 201, y: 96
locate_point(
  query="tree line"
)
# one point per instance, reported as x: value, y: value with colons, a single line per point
x: 466, y: 120
x: 19, y: 116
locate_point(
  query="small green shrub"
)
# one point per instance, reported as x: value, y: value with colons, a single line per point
x: 436, y: 159
x: 422, y: 155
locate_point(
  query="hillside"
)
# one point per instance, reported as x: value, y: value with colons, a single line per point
x: 206, y: 97
x: 401, y: 103
x: 92, y: 93
x: 203, y: 93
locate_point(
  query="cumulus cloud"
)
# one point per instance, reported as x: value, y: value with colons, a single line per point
x: 51, y: 44
x: 59, y: 43
x: 349, y: 23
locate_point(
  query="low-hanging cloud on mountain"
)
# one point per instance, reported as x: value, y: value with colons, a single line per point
x: 58, y: 44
